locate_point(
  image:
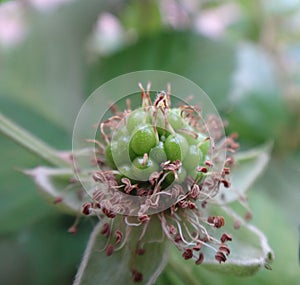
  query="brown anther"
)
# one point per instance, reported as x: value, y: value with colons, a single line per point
x: 57, y: 200
x: 183, y: 204
x: 109, y: 250
x: 225, y: 182
x: 211, y: 219
x: 144, y: 218
x: 72, y: 230
x: 108, y: 213
x: 202, y: 169
x: 220, y: 257
x: 140, y: 251
x: 119, y: 236
x: 218, y: 221
x: 229, y: 161
x: 248, y: 216
x: 226, y: 170
x: 203, y: 204
x: 237, y: 224
x: 198, y: 246
x: 191, y: 205
x: 137, y: 276
x: 224, y: 248
x: 96, y: 205
x: 187, y: 254
x: 200, y: 258
x: 234, y: 136
x: 177, y: 238
x: 86, y: 208
x: 225, y: 237
x: 209, y: 163
x: 195, y: 191
x: 105, y: 229
x: 172, y: 230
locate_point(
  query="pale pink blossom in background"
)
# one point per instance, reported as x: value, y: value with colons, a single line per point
x: 46, y: 5
x: 213, y: 22
x: 12, y: 24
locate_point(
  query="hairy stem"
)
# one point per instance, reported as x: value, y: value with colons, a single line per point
x: 30, y: 142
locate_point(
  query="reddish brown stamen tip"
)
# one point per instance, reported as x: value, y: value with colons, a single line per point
x: 208, y: 163
x: 119, y: 236
x: 72, y: 230
x: 187, y: 254
x: 225, y: 182
x: 237, y: 224
x: 58, y: 200
x: 225, y: 249
x: 137, y: 276
x: 144, y: 218
x: 105, y: 229
x: 86, y: 208
x: 225, y: 237
x: 248, y: 216
x: 220, y: 257
x: 109, y: 250
x: 202, y: 169
x: 200, y: 258
x: 218, y: 221
x: 140, y: 251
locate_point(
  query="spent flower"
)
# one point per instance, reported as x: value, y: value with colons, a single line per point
x: 164, y: 157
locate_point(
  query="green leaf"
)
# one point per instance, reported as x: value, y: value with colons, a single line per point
x: 56, y: 186
x: 201, y: 59
x: 249, y: 165
x: 250, y: 250
x: 96, y: 268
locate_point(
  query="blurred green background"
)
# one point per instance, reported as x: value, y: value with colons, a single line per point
x: 53, y: 54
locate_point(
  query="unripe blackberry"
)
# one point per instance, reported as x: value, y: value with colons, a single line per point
x: 155, y: 146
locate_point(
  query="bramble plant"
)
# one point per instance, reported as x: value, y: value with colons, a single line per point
x: 162, y: 174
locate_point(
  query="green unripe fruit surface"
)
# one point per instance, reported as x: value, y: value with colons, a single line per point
x: 176, y: 147
x: 143, y: 140
x: 136, y: 118
x: 158, y: 154
x: 121, y: 152
x: 193, y: 158
x: 175, y: 120
x: 204, y: 147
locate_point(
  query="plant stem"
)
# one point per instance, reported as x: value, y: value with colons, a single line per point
x: 30, y: 142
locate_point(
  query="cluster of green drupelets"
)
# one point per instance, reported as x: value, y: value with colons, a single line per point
x: 146, y: 140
